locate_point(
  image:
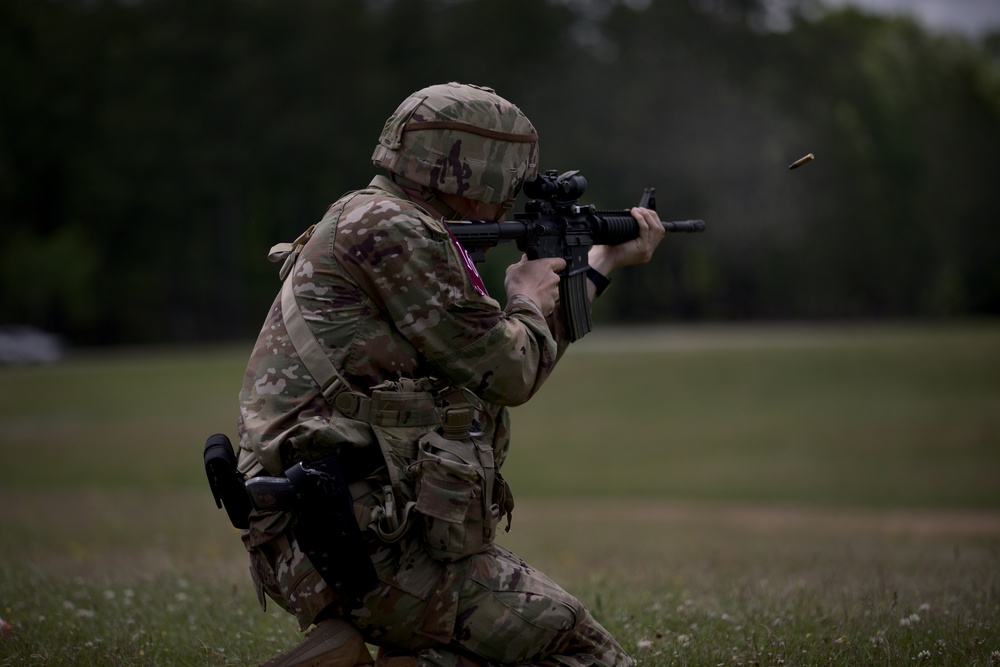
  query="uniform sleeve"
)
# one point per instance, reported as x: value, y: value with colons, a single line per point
x: 409, y: 266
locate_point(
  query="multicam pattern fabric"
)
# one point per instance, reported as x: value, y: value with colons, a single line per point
x: 493, y: 606
x: 461, y: 139
x: 386, y: 292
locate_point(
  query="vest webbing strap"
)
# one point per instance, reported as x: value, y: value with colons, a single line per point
x: 383, y: 408
x: 355, y: 405
x: 304, y: 340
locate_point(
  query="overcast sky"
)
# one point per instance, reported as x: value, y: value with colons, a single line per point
x: 974, y: 17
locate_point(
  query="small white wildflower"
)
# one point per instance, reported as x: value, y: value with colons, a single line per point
x: 925, y: 607
x: 903, y: 622
x: 915, y: 618
x: 924, y: 655
x: 878, y: 639
x: 109, y: 595
x: 85, y: 613
x: 683, y: 640
x: 644, y: 644
x: 68, y: 605
x: 181, y: 597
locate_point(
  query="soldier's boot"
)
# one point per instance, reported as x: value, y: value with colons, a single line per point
x: 389, y: 660
x: 397, y: 659
x: 332, y: 643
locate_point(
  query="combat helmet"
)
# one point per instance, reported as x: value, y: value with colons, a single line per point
x: 460, y: 139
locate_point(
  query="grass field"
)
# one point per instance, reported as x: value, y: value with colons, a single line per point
x: 717, y: 496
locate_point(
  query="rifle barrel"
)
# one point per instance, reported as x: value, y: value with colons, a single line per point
x: 684, y: 226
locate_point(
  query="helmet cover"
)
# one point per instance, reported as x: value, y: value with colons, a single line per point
x: 460, y: 139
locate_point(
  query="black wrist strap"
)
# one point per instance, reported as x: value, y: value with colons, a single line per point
x: 601, y: 281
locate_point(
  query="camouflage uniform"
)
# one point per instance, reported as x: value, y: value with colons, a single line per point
x: 389, y: 294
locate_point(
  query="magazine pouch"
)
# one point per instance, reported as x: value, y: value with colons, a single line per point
x: 453, y: 485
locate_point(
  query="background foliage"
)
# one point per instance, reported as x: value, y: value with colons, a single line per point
x: 151, y: 152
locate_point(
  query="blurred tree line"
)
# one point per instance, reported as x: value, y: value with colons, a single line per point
x: 151, y: 151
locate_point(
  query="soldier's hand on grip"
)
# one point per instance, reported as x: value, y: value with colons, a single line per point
x: 537, y: 280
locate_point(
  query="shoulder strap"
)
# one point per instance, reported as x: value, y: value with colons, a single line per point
x: 403, y: 405
x: 303, y: 339
x: 331, y: 382
x: 287, y: 253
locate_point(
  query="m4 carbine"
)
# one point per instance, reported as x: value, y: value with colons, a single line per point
x: 555, y: 224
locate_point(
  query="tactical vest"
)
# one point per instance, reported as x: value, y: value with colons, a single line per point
x: 438, y: 469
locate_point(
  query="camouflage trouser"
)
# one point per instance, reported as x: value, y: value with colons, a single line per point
x: 492, y: 605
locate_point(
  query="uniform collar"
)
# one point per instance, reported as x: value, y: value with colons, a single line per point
x: 434, y: 207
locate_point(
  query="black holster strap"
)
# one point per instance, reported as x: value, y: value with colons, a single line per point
x: 327, y: 530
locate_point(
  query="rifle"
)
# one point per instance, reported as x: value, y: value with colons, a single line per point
x: 555, y: 224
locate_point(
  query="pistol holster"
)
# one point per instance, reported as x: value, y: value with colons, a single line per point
x: 226, y: 481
